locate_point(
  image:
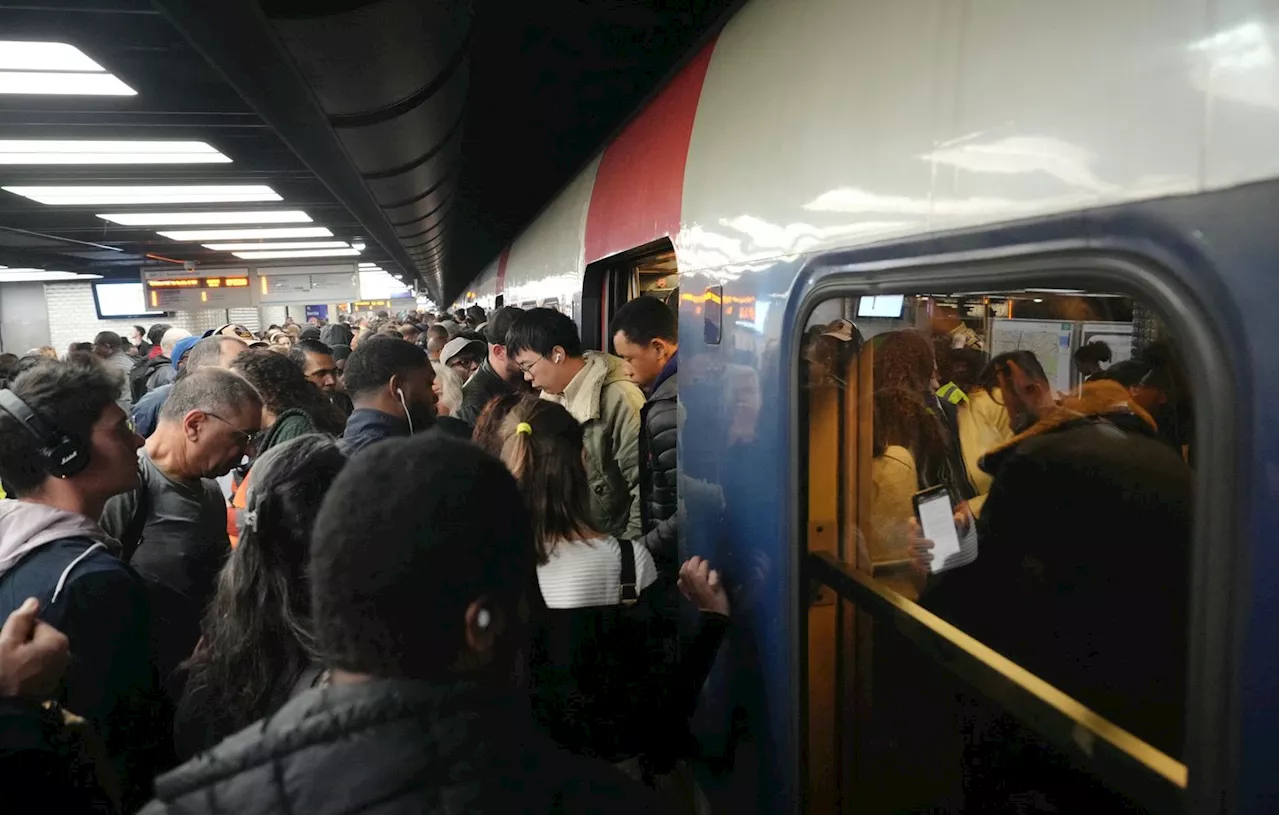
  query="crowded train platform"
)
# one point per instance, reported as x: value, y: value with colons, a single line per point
x: 735, y: 406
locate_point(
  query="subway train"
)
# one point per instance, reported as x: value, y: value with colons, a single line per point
x: 1010, y: 175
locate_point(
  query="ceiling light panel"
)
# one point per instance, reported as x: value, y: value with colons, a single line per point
x: 54, y: 68
x: 91, y: 196
x: 19, y: 55
x: 251, y: 247
x: 57, y: 151
x: 32, y: 82
x: 297, y: 253
x: 203, y: 235
x: 41, y: 275
x: 293, y: 216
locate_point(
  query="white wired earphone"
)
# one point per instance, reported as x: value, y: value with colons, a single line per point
x: 405, y: 405
x: 482, y: 618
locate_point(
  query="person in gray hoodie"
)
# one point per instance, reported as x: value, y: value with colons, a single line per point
x: 65, y: 448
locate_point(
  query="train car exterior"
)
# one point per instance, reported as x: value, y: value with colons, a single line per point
x: 828, y: 149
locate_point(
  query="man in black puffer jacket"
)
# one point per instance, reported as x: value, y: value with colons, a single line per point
x: 646, y: 337
x: 421, y: 638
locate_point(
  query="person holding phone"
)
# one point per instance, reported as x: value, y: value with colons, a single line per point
x: 1081, y: 575
x: 913, y: 449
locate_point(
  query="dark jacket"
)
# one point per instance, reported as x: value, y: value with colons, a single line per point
x: 394, y: 746
x: 366, y: 426
x: 1082, y: 568
x: 658, y: 472
x: 146, y: 411
x: 102, y: 608
x: 43, y: 766
x: 483, y: 387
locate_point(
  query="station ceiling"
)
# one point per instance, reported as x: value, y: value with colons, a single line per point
x: 428, y: 132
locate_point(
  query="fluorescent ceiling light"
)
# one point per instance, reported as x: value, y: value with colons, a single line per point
x: 41, y: 275
x: 30, y: 82
x: 57, y: 151
x: 19, y: 55
x: 202, y: 235
x: 250, y: 247
x: 54, y: 68
x: 279, y: 216
x: 202, y: 194
x: 299, y: 253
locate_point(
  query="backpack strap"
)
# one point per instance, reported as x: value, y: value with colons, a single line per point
x: 132, y: 537
x: 627, y: 594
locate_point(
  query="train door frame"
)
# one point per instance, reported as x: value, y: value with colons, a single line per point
x: 1216, y: 577
x: 607, y: 285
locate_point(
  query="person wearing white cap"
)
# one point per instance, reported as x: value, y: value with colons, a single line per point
x: 464, y: 354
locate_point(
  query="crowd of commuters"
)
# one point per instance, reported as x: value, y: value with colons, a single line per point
x: 414, y: 564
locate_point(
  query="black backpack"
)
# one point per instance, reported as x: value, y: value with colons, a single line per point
x: 142, y: 371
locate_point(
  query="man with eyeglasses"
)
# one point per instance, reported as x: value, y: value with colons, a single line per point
x: 174, y: 526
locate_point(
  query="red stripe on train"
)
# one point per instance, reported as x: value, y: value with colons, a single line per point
x: 639, y: 184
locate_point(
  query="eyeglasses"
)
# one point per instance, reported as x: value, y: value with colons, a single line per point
x: 529, y: 367
x: 250, y: 439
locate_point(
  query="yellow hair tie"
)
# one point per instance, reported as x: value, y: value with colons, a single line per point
x: 524, y: 427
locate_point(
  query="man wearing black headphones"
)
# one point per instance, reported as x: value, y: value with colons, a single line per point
x: 65, y: 448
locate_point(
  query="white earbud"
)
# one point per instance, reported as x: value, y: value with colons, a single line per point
x: 482, y: 618
x: 558, y: 358
x: 405, y: 405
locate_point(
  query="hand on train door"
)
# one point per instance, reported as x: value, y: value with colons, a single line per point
x: 700, y: 584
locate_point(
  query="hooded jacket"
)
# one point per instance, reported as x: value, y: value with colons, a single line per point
x: 394, y: 746
x: 67, y: 562
x: 1082, y: 567
x: 607, y: 403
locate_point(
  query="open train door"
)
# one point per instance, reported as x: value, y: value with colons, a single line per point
x: 608, y: 284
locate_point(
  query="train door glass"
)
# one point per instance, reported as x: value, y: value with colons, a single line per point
x: 608, y: 284
x: 1031, y: 656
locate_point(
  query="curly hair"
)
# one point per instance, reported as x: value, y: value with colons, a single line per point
x: 902, y: 373
x: 283, y: 387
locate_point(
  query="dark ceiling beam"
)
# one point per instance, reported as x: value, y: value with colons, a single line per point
x: 237, y: 39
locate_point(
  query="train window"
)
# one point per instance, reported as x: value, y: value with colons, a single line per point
x: 1015, y: 467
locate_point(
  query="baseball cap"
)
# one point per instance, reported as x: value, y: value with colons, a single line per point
x: 181, y: 347
x: 457, y: 345
x: 232, y: 330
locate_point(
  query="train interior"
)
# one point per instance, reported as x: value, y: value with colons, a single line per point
x: 890, y: 725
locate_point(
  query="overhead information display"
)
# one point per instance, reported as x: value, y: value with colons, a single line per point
x: 194, y: 290
x: 303, y: 285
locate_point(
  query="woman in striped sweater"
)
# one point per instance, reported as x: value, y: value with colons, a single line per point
x: 609, y: 675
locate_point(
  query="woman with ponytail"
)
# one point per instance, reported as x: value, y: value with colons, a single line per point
x: 609, y: 677
x: 256, y: 644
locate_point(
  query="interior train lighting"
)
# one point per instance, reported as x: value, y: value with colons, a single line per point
x: 297, y: 253
x: 282, y: 216
x: 101, y: 151
x: 249, y: 247
x: 147, y: 194
x: 54, y: 68
x: 201, y: 235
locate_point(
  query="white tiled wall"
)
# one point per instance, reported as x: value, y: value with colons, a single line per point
x: 73, y: 318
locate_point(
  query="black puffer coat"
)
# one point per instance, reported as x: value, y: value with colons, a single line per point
x: 658, y: 451
x: 395, y: 746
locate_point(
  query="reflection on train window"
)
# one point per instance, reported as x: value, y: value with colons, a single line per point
x: 1044, y: 439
